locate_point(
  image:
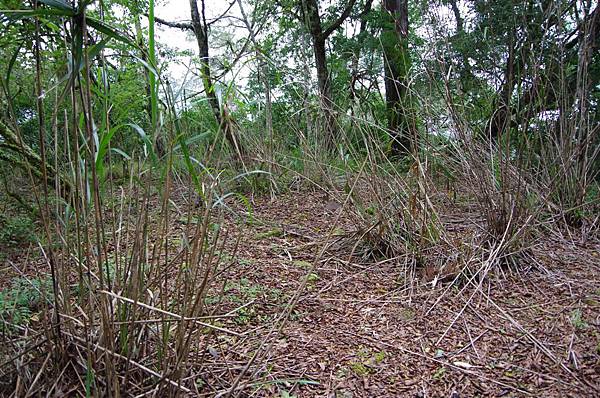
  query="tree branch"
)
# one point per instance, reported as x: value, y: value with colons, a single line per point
x: 222, y: 15
x: 177, y: 25
x: 336, y: 24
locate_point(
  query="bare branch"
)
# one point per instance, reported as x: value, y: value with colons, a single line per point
x: 336, y: 24
x: 177, y: 25
x: 222, y: 15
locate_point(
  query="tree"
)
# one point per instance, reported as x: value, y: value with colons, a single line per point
x: 356, y: 53
x: 312, y: 19
x: 200, y: 27
x: 394, y: 38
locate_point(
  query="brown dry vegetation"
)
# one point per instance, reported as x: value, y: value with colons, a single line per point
x: 364, y: 326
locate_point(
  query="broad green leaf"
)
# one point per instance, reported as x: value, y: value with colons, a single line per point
x: 15, y: 15
x: 94, y: 50
x: 109, y: 31
x: 58, y: 4
x: 103, y: 147
x: 120, y: 152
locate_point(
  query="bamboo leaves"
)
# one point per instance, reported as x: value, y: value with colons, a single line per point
x: 58, y: 8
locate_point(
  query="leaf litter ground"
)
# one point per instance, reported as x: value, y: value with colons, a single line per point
x: 368, y: 328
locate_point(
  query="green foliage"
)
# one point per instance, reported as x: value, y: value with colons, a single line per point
x: 577, y: 320
x: 128, y: 96
x: 367, y: 361
x: 440, y: 373
x: 360, y: 369
x: 18, y: 229
x: 274, y: 233
x: 24, y: 297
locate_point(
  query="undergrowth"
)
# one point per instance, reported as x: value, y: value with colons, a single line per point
x: 23, y: 300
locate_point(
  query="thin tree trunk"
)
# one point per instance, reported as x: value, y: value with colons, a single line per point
x: 397, y: 65
x: 312, y: 20
x: 201, y: 33
x: 325, y: 90
x: 223, y: 118
x: 356, y: 56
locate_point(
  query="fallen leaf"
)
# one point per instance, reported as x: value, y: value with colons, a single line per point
x: 463, y: 365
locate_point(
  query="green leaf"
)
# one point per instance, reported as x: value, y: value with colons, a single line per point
x: 58, y: 4
x: 192, y: 140
x: 12, y: 61
x: 94, y: 50
x: 120, y: 152
x: 146, y: 65
x: 16, y: 15
x: 51, y: 25
x: 110, y: 32
x: 103, y: 147
x: 148, y: 147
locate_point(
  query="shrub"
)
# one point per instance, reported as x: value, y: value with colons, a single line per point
x: 17, y: 229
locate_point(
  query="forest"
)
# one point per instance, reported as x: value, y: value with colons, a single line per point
x: 300, y: 198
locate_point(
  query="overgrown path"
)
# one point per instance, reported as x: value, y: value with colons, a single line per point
x: 365, y: 328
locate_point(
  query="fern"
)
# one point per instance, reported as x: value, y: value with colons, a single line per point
x: 19, y: 302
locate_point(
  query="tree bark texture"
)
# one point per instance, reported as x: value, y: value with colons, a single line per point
x: 397, y: 64
x: 319, y: 35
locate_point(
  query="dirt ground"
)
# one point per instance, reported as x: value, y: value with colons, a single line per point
x: 373, y: 328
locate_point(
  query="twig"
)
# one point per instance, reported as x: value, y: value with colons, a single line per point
x: 132, y: 362
x: 444, y: 363
x: 181, y: 318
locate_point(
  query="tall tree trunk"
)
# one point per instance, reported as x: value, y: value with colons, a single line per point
x: 324, y: 84
x: 397, y: 65
x: 225, y: 121
x: 312, y: 20
x: 356, y: 53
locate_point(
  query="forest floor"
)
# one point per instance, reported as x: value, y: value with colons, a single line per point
x: 368, y: 328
